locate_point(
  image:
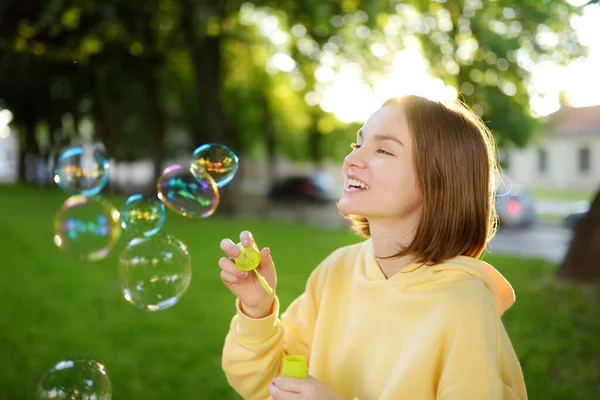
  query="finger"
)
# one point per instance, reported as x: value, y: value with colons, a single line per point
x: 230, y: 248
x: 229, y: 266
x: 246, y: 238
x: 279, y: 394
x: 266, y: 261
x: 289, y: 384
x: 230, y: 278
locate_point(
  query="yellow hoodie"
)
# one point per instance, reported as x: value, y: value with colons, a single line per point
x: 425, y: 333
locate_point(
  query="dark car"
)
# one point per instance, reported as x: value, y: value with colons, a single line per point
x: 300, y: 190
x: 516, y: 208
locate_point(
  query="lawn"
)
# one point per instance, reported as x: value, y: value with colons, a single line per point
x: 562, y: 194
x: 56, y: 308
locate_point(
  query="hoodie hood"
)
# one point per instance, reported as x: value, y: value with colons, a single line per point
x: 500, y: 289
x: 417, y: 278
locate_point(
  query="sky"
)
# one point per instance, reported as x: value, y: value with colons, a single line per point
x: 581, y: 80
x: 353, y: 101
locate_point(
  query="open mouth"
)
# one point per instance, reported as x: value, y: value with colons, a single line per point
x: 356, y: 185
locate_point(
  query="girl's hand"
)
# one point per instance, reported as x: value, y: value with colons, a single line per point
x: 256, y: 302
x: 286, y: 388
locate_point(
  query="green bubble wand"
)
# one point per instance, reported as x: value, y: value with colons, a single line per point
x: 249, y: 260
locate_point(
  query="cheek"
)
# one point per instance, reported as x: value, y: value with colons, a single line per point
x: 404, y: 186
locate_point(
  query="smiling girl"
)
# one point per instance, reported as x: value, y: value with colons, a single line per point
x: 411, y: 312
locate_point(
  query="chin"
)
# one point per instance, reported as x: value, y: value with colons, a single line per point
x: 349, y: 207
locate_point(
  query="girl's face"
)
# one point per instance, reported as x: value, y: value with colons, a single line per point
x: 381, y: 181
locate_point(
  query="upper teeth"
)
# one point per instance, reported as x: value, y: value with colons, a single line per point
x: 355, y: 182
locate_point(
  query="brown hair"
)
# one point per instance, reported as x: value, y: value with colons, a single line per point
x: 457, y: 172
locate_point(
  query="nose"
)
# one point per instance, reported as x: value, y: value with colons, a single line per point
x: 355, y: 159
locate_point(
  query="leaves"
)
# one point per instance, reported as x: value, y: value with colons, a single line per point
x: 95, y: 51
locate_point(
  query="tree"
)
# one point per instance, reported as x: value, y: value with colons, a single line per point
x: 582, y: 261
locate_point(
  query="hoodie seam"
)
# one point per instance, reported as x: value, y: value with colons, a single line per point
x: 496, y: 319
x: 496, y: 327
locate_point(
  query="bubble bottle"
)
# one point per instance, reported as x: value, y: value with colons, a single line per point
x: 295, y: 366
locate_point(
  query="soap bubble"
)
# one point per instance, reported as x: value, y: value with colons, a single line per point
x: 187, y: 195
x: 81, y: 170
x: 155, y: 272
x: 142, y: 215
x: 218, y: 160
x: 88, y: 227
x: 78, y: 379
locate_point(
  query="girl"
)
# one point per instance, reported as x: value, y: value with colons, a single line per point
x: 409, y: 313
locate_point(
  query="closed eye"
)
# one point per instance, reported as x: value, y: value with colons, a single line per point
x: 355, y: 146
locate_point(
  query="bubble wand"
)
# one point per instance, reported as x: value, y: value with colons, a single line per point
x: 248, y: 260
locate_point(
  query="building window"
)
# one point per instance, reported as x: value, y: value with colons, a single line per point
x: 542, y: 161
x: 584, y: 159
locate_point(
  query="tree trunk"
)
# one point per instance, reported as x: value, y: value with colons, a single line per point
x: 108, y: 123
x: 208, y: 77
x: 314, y: 142
x: 207, y: 59
x: 52, y: 152
x: 206, y: 63
x: 269, y: 133
x: 156, y: 117
x: 29, y: 151
x: 582, y: 261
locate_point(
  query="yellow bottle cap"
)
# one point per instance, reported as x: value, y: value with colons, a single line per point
x: 248, y: 260
x: 249, y: 257
x: 295, y: 366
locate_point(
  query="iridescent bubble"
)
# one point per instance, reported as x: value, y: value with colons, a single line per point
x: 218, y: 160
x: 187, y: 195
x: 142, y: 215
x: 155, y: 272
x: 81, y: 170
x: 87, y: 227
x: 78, y: 379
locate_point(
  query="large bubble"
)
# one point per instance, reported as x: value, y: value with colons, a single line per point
x: 187, y: 195
x: 142, y: 215
x: 78, y: 379
x: 218, y: 160
x: 155, y: 272
x: 87, y: 227
x: 81, y: 170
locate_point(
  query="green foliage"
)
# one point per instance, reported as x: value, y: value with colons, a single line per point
x: 101, y: 53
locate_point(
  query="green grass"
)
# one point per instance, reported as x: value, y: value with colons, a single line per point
x: 562, y: 194
x: 551, y: 218
x: 54, y: 308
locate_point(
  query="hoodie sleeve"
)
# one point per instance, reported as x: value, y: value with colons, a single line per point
x: 254, y: 348
x: 472, y: 365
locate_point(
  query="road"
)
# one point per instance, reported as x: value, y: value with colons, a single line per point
x: 548, y: 242
x: 541, y: 241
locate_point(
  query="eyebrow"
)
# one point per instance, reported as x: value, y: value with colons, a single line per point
x: 382, y: 137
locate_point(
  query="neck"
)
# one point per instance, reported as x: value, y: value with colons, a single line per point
x: 389, y: 237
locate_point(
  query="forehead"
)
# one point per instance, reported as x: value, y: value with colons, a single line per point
x: 389, y: 119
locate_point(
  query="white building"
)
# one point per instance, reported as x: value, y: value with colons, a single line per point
x: 566, y: 157
x: 9, y: 156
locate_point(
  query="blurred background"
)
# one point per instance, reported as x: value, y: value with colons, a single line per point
x: 286, y: 85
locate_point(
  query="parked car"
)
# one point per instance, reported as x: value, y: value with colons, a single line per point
x: 301, y: 189
x: 515, y: 207
x: 578, y: 211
